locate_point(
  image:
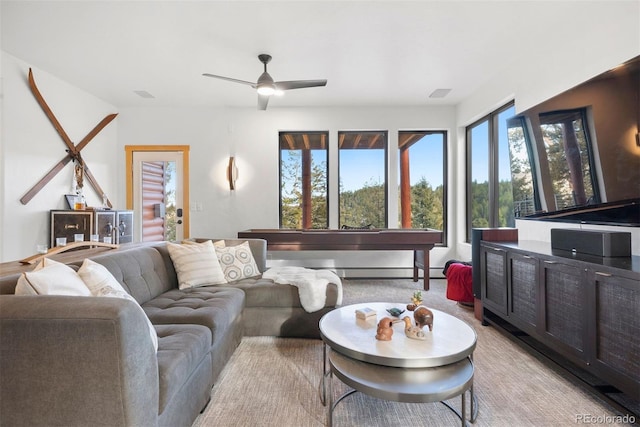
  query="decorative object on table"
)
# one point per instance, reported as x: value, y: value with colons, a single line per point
x: 416, y: 300
x: 385, y: 330
x: 365, y: 313
x: 423, y: 317
x: 411, y: 331
x: 73, y: 150
x: 395, y: 312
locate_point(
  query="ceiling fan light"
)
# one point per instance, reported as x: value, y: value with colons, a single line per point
x: 278, y: 92
x: 266, y: 89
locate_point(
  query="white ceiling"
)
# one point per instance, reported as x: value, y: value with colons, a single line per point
x: 373, y: 53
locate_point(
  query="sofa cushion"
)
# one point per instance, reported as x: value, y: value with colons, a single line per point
x: 101, y: 283
x: 237, y: 262
x: 217, y: 308
x: 196, y: 264
x: 51, y: 278
x: 182, y: 348
x: 143, y: 272
x: 264, y: 293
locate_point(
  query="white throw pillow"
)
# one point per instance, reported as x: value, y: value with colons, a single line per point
x: 196, y: 264
x: 101, y: 283
x: 51, y: 278
x: 217, y: 243
x: 237, y: 262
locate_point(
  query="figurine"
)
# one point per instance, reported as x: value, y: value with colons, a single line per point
x: 385, y: 330
x: 414, y: 332
x: 423, y: 316
x: 395, y: 312
x: 416, y: 300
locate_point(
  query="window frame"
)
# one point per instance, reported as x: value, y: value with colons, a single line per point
x: 328, y: 178
x: 385, y: 133
x: 445, y: 136
x: 493, y: 172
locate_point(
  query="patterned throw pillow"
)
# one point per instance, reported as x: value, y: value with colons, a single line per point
x: 101, y: 283
x: 51, y: 278
x: 196, y: 264
x: 237, y: 262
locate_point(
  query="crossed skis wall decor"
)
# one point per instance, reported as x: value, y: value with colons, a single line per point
x: 73, y: 150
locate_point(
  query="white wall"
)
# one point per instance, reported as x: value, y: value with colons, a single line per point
x: 603, y: 37
x: 600, y: 39
x: 252, y: 137
x: 31, y: 147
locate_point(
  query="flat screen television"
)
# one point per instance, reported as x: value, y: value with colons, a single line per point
x: 576, y: 156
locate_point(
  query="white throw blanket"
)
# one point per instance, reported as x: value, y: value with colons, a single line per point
x: 311, y: 284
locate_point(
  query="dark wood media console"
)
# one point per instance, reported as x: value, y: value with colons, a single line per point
x: 585, y: 308
x: 351, y: 240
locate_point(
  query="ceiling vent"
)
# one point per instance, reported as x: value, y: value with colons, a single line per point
x: 143, y: 94
x: 439, y: 93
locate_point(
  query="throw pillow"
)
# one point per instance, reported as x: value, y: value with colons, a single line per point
x: 101, y: 283
x: 51, y: 278
x: 217, y: 243
x: 196, y: 264
x: 237, y: 262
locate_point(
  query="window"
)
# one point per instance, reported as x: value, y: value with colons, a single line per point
x: 303, y: 180
x: 363, y: 184
x: 489, y: 187
x: 422, y: 170
x: 526, y: 200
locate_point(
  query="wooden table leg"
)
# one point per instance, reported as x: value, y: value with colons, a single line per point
x: 426, y: 268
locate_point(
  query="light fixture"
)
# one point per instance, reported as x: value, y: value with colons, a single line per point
x: 232, y: 173
x: 265, y: 84
x: 266, y: 89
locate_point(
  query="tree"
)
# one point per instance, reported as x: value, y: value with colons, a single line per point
x: 291, y: 191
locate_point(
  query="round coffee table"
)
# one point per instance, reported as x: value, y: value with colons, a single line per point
x: 403, y: 369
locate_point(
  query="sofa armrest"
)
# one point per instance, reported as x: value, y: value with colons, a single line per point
x: 76, y: 361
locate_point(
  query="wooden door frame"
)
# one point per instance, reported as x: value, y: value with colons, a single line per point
x: 130, y: 149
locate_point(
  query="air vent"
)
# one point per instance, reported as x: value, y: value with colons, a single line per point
x: 143, y: 94
x: 439, y: 93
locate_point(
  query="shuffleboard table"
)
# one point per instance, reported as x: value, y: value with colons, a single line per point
x: 422, y: 240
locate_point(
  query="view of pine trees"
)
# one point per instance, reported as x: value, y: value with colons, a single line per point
x: 427, y: 205
x: 291, y: 190
x: 361, y: 207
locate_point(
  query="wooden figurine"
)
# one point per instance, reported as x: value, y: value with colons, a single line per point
x: 423, y: 316
x: 385, y: 329
x: 413, y: 332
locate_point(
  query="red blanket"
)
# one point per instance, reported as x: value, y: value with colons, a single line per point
x: 459, y: 283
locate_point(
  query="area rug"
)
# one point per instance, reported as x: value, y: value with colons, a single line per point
x: 276, y: 381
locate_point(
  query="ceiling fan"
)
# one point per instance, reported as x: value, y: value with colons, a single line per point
x: 265, y: 86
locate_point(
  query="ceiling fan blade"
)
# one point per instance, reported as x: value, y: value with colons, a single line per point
x: 244, y: 82
x: 263, y: 100
x: 299, y: 84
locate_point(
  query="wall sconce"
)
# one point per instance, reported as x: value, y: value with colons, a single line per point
x: 232, y: 173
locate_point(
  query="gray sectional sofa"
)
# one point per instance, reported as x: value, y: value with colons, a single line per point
x: 79, y: 361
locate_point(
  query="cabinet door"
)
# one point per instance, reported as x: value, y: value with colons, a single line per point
x: 565, y: 307
x: 68, y: 223
x: 523, y: 295
x: 616, y: 325
x: 104, y: 223
x: 124, y: 221
x: 494, y: 279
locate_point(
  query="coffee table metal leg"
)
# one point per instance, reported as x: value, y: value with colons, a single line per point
x: 325, y: 373
x: 332, y: 405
